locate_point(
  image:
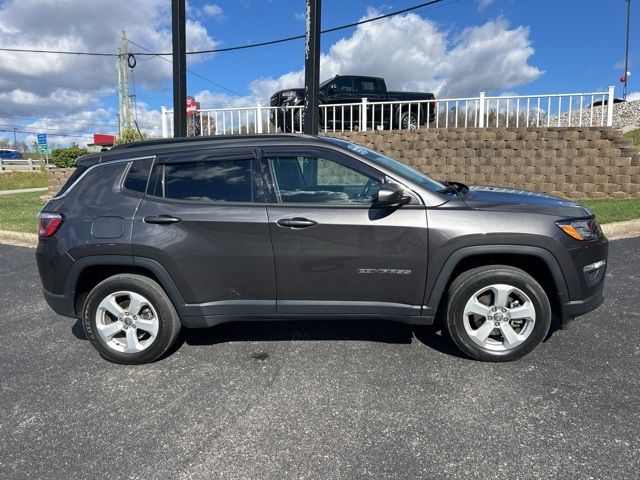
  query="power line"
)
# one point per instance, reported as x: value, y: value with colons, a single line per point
x: 189, y: 70
x: 238, y: 47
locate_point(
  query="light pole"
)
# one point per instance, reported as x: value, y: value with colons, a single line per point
x: 626, y: 56
x: 312, y: 69
x: 178, y: 28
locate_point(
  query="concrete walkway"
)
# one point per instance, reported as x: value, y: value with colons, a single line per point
x: 24, y: 190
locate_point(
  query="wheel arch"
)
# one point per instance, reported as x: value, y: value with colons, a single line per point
x: 87, y: 272
x: 538, y: 262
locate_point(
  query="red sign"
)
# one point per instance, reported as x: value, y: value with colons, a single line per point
x: 103, y: 139
x: 192, y: 105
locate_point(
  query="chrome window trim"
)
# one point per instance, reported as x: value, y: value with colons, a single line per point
x: 100, y: 164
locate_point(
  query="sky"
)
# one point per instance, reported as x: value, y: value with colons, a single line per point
x: 456, y: 48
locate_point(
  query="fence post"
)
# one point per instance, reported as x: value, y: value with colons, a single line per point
x: 481, y: 111
x: 612, y: 91
x: 30, y: 165
x: 259, y: 117
x: 165, y: 127
x: 363, y: 115
x: 1, y: 166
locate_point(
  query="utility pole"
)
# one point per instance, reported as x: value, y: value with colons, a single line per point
x: 15, y: 140
x: 179, y: 68
x: 626, y: 56
x: 124, y: 99
x: 312, y: 68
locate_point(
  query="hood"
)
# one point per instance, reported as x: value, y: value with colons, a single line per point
x: 513, y: 200
x: 298, y: 91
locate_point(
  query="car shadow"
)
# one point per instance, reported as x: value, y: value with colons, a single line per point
x: 381, y: 331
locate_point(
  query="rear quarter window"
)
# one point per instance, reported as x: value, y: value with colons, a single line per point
x: 138, y: 175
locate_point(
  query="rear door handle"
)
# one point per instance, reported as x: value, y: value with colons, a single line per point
x: 161, y: 219
x: 296, y: 222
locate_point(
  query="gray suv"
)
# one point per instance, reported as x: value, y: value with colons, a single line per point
x: 154, y: 236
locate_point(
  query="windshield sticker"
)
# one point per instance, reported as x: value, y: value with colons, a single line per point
x: 358, y: 149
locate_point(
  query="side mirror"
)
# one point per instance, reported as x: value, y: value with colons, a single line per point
x: 391, y: 195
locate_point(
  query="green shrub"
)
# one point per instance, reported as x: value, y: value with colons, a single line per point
x: 66, y: 157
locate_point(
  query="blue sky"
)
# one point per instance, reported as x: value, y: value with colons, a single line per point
x: 454, y: 48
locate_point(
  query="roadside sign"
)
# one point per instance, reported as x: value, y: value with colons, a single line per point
x: 42, y: 143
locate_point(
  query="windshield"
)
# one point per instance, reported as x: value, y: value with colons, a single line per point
x: 393, y: 165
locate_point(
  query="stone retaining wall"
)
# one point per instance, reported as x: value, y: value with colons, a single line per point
x: 57, y: 178
x: 567, y: 162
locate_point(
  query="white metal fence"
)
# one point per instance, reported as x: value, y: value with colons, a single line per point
x: 592, y: 109
x: 21, y: 164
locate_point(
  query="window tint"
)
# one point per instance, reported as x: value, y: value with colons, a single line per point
x: 77, y: 173
x: 344, y: 85
x: 367, y: 85
x: 318, y: 180
x: 219, y: 181
x: 138, y: 175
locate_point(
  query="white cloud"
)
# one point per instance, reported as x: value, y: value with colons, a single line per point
x: 482, y: 4
x: 78, y: 25
x: 633, y: 96
x: 214, y: 11
x: 300, y: 16
x: 413, y: 53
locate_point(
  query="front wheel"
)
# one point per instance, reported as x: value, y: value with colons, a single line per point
x: 497, y: 313
x: 129, y: 319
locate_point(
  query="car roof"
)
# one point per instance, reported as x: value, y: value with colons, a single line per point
x: 167, y: 145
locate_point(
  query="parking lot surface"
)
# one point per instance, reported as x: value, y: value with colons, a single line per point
x: 319, y: 400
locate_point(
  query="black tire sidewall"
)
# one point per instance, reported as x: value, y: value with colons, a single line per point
x: 167, y: 317
x: 461, y: 293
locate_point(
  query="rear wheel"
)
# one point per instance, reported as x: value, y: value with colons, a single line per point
x: 497, y: 313
x: 129, y: 319
x: 408, y: 121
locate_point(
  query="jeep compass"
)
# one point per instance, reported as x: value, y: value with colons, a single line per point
x: 154, y: 236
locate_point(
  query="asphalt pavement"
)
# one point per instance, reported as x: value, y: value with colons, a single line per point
x: 319, y: 400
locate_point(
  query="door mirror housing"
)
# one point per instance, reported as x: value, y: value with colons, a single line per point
x: 391, y: 195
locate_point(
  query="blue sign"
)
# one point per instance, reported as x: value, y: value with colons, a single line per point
x: 42, y: 143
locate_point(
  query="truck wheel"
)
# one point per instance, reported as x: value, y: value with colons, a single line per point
x: 497, y: 313
x: 129, y: 319
x: 409, y: 121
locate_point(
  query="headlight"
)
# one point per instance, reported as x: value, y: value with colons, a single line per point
x: 586, y: 229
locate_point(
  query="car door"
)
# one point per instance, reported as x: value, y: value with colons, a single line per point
x: 338, y: 93
x: 204, y: 220
x: 335, y: 251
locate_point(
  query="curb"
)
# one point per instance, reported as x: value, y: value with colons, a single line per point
x: 613, y: 231
x: 617, y: 230
x: 19, y: 239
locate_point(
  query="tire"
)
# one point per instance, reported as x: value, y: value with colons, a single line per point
x: 408, y: 121
x: 505, y: 298
x: 130, y: 320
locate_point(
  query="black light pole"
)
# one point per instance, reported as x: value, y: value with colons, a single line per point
x: 312, y: 69
x: 179, y: 68
x: 626, y: 56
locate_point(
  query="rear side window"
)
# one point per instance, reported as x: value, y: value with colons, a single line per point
x: 138, y: 175
x: 210, y: 181
x: 77, y: 173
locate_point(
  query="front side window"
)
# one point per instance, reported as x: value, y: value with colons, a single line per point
x: 209, y: 181
x: 311, y: 179
x: 344, y: 85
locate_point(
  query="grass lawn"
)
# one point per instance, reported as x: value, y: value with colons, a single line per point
x: 17, y: 180
x: 634, y: 135
x: 18, y: 211
x: 608, y: 211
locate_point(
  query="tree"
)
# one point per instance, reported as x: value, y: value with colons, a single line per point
x: 130, y: 135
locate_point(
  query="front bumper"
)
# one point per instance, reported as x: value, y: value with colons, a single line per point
x: 574, y: 308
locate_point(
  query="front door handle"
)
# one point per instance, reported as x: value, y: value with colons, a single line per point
x: 161, y: 219
x: 296, y: 222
